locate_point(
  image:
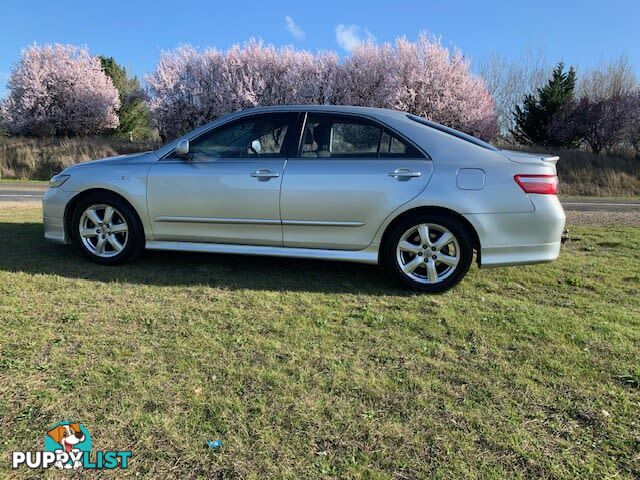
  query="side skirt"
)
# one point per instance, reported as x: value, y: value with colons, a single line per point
x: 368, y: 255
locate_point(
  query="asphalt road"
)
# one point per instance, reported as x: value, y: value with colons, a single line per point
x: 17, y: 191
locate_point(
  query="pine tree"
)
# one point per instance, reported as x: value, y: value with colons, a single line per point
x: 533, y: 119
x: 133, y: 113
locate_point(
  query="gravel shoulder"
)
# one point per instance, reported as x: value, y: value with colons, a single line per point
x: 602, y: 218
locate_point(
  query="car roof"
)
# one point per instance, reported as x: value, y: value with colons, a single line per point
x: 372, y: 111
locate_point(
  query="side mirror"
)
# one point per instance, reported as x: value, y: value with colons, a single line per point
x: 182, y: 149
x: 255, y: 146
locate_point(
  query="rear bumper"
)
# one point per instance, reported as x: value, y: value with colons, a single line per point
x: 521, y: 238
x: 54, y: 203
x: 520, y: 255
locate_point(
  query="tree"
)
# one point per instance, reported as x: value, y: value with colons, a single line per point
x: 133, y: 114
x: 508, y: 81
x: 431, y: 81
x: 608, y: 105
x: 533, y: 118
x: 59, y: 90
x: 614, y: 78
x: 190, y: 87
x: 601, y: 123
x: 603, y: 116
x: 632, y: 134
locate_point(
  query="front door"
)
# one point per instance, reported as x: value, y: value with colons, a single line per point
x: 348, y: 176
x: 228, y: 188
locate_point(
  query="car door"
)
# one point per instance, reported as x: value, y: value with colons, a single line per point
x: 227, y: 189
x: 349, y: 174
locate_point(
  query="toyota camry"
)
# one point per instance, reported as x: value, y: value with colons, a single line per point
x: 323, y: 182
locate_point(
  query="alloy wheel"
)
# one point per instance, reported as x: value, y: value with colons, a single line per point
x: 103, y: 230
x: 428, y: 253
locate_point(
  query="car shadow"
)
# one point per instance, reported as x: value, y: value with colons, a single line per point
x: 24, y: 249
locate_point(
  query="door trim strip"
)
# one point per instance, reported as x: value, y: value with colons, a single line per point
x: 232, y: 221
x: 255, y: 221
x: 313, y: 223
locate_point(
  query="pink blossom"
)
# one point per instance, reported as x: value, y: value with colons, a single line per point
x: 59, y: 89
x: 191, y: 87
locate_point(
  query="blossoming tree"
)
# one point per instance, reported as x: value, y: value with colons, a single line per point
x: 59, y: 90
x: 190, y: 87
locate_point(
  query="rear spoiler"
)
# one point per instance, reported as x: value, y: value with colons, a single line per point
x: 533, y: 158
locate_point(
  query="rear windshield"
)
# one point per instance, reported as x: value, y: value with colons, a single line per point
x: 455, y: 133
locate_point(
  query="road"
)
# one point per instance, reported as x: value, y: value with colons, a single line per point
x: 27, y: 191
x: 19, y: 191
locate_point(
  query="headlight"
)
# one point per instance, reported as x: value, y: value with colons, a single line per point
x: 58, y: 180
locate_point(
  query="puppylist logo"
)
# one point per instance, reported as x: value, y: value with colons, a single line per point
x: 68, y: 446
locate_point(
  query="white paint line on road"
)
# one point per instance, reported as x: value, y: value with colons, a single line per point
x: 20, y: 196
x: 601, y: 204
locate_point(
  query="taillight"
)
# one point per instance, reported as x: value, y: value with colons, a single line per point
x: 544, y: 184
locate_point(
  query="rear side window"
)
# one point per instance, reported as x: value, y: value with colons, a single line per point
x: 342, y: 136
x: 453, y: 132
x: 392, y: 146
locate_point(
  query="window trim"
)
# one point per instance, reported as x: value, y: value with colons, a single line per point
x: 364, y: 119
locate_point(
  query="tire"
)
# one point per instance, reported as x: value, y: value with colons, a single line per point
x: 100, y: 241
x: 436, y: 268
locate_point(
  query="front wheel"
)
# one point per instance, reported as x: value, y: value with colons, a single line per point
x: 106, y: 229
x: 428, y: 252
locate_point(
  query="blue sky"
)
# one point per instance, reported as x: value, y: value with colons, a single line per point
x: 135, y: 32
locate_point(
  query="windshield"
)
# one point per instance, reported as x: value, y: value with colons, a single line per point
x: 454, y: 132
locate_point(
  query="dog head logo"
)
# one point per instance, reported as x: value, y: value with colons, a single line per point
x: 68, y: 446
x: 67, y: 436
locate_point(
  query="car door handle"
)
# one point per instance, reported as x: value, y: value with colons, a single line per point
x: 404, y: 173
x: 264, y: 174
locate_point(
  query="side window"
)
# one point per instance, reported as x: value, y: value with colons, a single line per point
x: 340, y: 136
x: 350, y: 137
x: 260, y: 136
x: 392, y: 146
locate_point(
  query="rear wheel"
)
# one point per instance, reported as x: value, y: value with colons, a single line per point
x: 106, y: 229
x: 428, y: 252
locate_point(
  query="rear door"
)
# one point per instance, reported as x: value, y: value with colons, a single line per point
x: 349, y: 174
x: 228, y: 189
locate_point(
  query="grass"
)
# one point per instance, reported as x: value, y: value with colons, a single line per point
x: 307, y: 369
x: 41, y: 158
x: 17, y: 180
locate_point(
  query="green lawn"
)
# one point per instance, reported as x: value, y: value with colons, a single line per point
x: 307, y: 369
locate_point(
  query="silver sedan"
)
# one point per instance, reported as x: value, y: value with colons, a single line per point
x: 325, y: 182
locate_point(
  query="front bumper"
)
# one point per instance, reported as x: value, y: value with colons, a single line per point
x: 54, y: 204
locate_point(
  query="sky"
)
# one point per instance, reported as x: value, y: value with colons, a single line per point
x: 135, y: 32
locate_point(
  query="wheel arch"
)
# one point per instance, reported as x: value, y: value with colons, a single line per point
x: 71, y: 206
x: 432, y: 209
